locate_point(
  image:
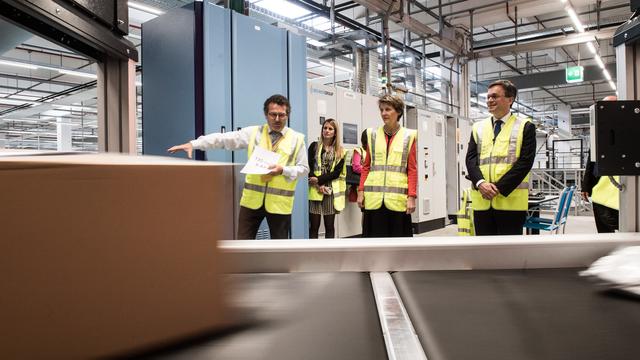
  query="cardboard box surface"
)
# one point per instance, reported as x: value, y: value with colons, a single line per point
x: 105, y: 254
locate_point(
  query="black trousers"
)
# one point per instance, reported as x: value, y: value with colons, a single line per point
x: 386, y: 223
x: 606, y: 218
x: 249, y: 222
x: 498, y: 222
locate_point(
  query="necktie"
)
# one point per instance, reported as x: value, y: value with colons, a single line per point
x: 275, y: 139
x: 496, y: 128
x: 275, y: 136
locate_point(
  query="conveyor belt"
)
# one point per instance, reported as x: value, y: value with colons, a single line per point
x: 297, y: 316
x: 518, y: 315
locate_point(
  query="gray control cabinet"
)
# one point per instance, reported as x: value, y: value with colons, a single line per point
x: 207, y: 69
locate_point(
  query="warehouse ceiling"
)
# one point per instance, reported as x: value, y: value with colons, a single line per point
x: 44, y: 87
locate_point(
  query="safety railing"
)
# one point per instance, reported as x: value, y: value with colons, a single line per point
x: 553, y: 181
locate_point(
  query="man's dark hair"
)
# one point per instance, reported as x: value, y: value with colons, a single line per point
x: 278, y: 100
x: 510, y: 90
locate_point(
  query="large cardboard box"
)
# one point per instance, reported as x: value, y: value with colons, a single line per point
x: 108, y: 254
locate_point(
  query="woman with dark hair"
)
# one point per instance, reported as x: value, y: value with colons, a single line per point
x: 388, y: 182
x: 326, y: 183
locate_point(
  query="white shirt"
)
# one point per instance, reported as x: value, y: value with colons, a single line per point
x: 504, y: 121
x: 234, y: 140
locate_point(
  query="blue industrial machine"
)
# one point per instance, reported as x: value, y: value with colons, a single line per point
x: 207, y: 69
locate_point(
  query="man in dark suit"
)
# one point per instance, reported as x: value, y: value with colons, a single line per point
x: 499, y: 158
x: 604, y: 193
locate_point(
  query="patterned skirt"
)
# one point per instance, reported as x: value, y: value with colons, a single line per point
x: 324, y: 207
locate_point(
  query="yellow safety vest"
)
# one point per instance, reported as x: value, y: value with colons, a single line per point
x: 465, y: 215
x: 361, y: 152
x: 338, y: 185
x: 496, y: 158
x: 605, y: 193
x: 387, y: 181
x: 277, y: 194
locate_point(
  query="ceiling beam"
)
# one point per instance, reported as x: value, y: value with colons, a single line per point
x: 393, y: 9
x: 557, y: 77
x: 534, y: 44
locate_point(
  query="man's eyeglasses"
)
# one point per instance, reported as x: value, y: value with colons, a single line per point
x: 275, y: 115
x: 495, y: 97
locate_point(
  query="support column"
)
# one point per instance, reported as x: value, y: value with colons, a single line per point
x: 116, y: 106
x: 63, y: 130
x: 463, y: 89
x: 626, y: 78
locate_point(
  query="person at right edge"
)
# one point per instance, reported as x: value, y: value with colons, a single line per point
x: 388, y: 181
x: 499, y: 158
x: 605, y: 195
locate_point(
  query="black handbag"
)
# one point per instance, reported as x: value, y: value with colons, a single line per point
x: 352, y: 178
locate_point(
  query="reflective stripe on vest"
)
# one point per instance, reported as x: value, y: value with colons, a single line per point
x: 496, y: 158
x: 277, y: 194
x: 606, y: 194
x: 387, y: 181
x: 465, y: 215
x: 338, y: 185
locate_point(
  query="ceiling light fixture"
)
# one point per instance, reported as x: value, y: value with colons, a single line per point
x: 18, y: 64
x: 338, y: 67
x: 599, y: 61
x: 580, y: 28
x: 77, y: 73
x: 6, y: 101
x: 574, y: 17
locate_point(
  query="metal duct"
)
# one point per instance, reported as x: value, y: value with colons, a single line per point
x: 360, y: 70
x: 418, y: 83
x: 374, y: 81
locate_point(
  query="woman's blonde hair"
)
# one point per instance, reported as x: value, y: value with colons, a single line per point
x: 337, y: 143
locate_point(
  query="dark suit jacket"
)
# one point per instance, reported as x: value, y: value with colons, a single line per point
x: 517, y: 173
x: 590, y: 179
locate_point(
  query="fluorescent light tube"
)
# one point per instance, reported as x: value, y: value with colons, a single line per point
x: 599, y: 61
x: 338, y: 67
x: 18, y: 64
x: 576, y: 21
x: 145, y: 8
x: 77, y: 73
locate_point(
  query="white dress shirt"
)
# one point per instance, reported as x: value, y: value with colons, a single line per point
x: 234, y: 140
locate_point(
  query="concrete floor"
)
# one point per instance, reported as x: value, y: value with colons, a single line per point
x: 575, y: 225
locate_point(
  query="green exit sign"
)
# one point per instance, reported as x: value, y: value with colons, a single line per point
x: 574, y: 74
